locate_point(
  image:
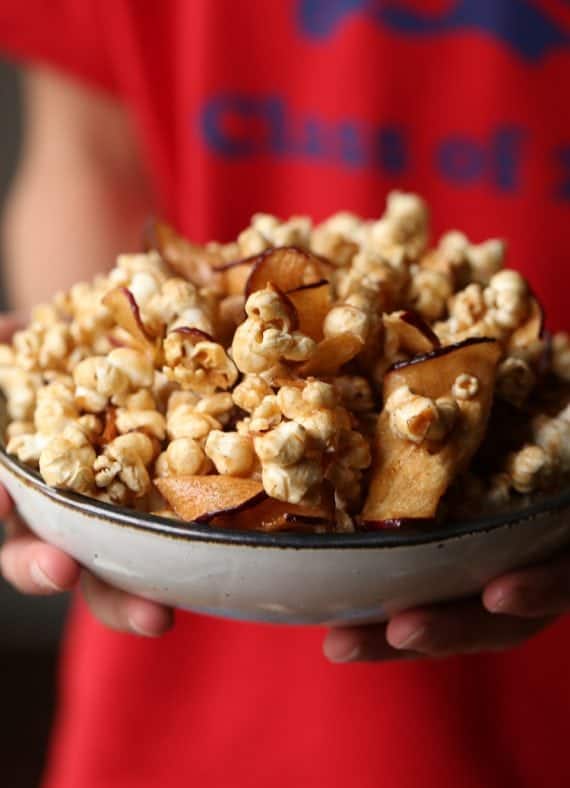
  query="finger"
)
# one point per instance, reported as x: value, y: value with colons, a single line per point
x: 458, y: 628
x: 6, y: 505
x: 125, y: 612
x: 361, y: 644
x: 532, y: 593
x: 32, y: 566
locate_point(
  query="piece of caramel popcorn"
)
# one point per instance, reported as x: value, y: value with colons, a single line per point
x: 267, y: 336
x: 416, y: 418
x: 67, y: 461
x: 126, y: 459
x: 231, y: 453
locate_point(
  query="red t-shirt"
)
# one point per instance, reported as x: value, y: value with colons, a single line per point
x: 314, y: 106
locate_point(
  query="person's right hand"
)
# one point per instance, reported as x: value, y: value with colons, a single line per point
x: 34, y: 567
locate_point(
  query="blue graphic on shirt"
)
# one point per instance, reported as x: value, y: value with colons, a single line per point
x: 237, y: 126
x: 518, y: 24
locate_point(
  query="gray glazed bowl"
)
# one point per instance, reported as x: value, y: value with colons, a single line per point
x: 285, y: 578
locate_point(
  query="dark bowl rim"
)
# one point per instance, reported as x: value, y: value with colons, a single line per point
x: 163, y: 526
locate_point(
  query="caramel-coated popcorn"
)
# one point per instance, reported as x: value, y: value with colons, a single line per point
x: 355, y: 350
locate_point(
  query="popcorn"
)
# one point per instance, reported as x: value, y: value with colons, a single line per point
x: 181, y: 375
x: 150, y: 422
x: 197, y: 364
x: 405, y: 224
x: 466, y: 262
x: 126, y: 459
x: 284, y: 445
x: 267, y: 337
x: 268, y: 231
x: 42, y: 346
x: 337, y: 238
x: 55, y: 408
x: 354, y: 392
x: 67, y: 461
x: 183, y: 457
x: 20, y: 388
x: 429, y: 293
x: 465, y: 387
x: 347, y: 319
x: 231, y: 453
x: 529, y: 469
x: 560, y: 356
x: 299, y: 483
x: 266, y: 415
x: 553, y: 436
x: 353, y: 456
x: 515, y: 380
x: 416, y: 418
x: 507, y: 299
x: 249, y: 394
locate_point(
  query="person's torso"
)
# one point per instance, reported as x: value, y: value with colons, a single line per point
x: 313, y: 106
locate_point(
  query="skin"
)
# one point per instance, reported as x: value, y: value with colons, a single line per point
x: 80, y: 154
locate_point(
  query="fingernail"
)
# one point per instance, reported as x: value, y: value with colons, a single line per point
x: 408, y: 641
x: 498, y: 603
x: 337, y: 651
x: 140, y: 627
x: 42, y: 579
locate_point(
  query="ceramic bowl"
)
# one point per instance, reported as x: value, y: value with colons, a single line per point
x: 285, y: 578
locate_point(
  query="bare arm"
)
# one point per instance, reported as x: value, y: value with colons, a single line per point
x: 79, y: 197
x: 80, y: 194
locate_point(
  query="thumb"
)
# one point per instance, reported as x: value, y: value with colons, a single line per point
x: 9, y: 323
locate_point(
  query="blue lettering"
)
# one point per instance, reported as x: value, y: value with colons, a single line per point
x: 391, y: 150
x: 519, y: 24
x: 313, y: 143
x: 563, y: 159
x: 507, y: 149
x: 352, y: 147
x: 461, y: 160
x: 260, y: 125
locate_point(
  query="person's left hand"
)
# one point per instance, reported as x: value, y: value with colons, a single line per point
x: 510, y: 610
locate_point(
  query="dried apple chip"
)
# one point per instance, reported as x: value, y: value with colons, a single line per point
x: 409, y: 479
x: 312, y: 303
x: 201, y: 498
x: 125, y: 312
x: 271, y: 516
x: 413, y: 333
x: 331, y: 354
x: 286, y: 267
x: 235, y: 275
x: 231, y: 313
x: 191, y: 261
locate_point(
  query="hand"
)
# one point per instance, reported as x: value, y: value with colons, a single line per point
x: 511, y: 609
x: 34, y: 567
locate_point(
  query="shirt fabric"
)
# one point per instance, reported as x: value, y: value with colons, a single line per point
x: 312, y: 106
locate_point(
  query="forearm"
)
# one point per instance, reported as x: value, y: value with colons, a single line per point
x: 79, y: 196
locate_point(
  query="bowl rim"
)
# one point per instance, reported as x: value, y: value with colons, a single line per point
x: 177, y: 529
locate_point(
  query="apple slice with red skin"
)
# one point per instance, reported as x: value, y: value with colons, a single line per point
x: 408, y: 479
x: 414, y: 335
x: 201, y: 498
x: 193, y: 335
x: 330, y: 355
x: 237, y: 504
x: 287, y: 267
x: 190, y: 261
x: 312, y: 303
x: 235, y: 274
x: 231, y: 313
x: 125, y: 312
x: 270, y: 516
